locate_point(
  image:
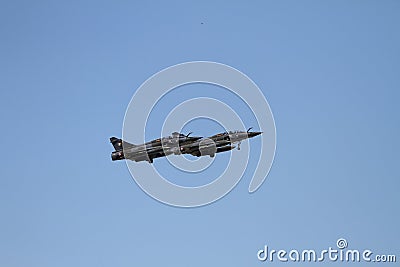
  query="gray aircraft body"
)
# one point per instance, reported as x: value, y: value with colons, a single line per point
x: 179, y: 144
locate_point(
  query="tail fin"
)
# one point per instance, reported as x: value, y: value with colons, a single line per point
x: 117, y: 143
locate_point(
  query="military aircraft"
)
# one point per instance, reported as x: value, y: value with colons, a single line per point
x: 217, y: 143
x: 179, y: 143
x: 156, y: 148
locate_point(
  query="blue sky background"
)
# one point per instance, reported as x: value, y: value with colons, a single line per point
x: 330, y: 71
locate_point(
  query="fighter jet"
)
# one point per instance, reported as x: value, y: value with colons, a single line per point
x: 178, y: 144
x: 217, y: 143
x: 148, y: 151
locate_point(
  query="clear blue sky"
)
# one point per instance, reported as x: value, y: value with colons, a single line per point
x: 330, y: 71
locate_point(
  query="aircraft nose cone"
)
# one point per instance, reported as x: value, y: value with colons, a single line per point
x: 252, y: 134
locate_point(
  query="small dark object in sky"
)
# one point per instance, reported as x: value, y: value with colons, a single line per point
x: 178, y: 144
x: 202, y: 23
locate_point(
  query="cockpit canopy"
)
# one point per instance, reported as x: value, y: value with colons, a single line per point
x: 176, y: 134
